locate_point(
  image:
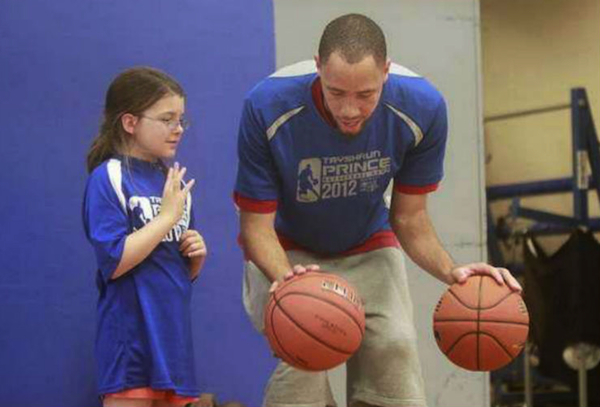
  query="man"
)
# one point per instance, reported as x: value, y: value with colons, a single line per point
x: 355, y: 124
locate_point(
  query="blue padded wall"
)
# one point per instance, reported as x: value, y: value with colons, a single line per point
x: 56, y: 61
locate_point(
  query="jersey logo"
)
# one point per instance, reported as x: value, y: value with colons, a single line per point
x: 144, y: 209
x: 342, y: 176
x: 309, y: 180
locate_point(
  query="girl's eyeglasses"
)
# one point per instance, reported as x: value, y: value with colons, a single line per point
x: 172, y: 124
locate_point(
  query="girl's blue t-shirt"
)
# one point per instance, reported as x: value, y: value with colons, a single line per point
x: 144, y: 335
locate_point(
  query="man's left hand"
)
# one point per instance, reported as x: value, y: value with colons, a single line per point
x: 459, y: 274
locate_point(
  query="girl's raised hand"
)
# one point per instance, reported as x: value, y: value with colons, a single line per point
x: 175, y: 193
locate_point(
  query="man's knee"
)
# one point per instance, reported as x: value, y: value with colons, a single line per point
x: 391, y: 346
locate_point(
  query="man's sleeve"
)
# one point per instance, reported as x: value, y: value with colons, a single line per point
x: 105, y: 222
x: 423, y: 168
x: 257, y: 183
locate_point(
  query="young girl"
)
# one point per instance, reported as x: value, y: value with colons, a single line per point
x: 138, y: 216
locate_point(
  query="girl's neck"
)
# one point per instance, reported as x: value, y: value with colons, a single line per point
x: 139, y: 155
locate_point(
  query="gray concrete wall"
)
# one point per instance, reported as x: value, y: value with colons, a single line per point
x: 439, y: 39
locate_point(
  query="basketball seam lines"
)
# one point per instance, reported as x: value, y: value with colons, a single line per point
x: 483, y: 320
x: 500, y: 344
x: 277, y: 300
x: 324, y: 300
x: 473, y: 308
x: 327, y: 301
x: 477, y: 333
x: 279, y: 342
x: 478, y: 314
x: 303, y: 329
x: 458, y: 340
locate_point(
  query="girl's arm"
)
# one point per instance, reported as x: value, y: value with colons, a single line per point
x: 140, y: 243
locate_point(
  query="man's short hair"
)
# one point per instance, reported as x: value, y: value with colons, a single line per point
x: 355, y: 37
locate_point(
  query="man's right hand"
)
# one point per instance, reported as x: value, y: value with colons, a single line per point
x: 297, y: 270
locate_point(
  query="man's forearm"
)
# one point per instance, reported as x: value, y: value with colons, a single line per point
x: 420, y: 242
x: 262, y: 247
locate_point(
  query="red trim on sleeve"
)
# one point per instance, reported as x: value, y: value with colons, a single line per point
x: 254, y: 205
x: 415, y: 189
x: 317, y: 94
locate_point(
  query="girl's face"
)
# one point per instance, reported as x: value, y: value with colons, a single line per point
x: 156, y: 133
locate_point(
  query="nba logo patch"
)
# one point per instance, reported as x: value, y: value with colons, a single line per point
x: 309, y: 180
x: 141, y: 207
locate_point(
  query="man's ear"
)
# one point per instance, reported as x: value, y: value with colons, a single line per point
x: 386, y: 71
x: 318, y: 64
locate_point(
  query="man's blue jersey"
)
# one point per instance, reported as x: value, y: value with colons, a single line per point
x: 144, y: 336
x: 329, y: 187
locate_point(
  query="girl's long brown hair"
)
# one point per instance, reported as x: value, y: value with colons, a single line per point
x: 132, y: 91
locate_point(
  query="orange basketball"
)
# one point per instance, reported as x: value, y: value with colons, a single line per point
x: 315, y: 321
x: 480, y: 325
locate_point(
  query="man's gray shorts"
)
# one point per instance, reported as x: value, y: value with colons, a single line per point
x: 385, y: 371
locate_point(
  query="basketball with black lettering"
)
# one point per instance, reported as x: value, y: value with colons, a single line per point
x: 315, y: 321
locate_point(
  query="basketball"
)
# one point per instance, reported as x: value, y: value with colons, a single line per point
x: 315, y: 321
x: 481, y: 325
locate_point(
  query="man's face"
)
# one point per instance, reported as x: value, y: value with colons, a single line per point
x: 351, y: 91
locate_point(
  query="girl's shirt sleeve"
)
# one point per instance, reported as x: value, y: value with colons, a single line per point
x: 105, y: 221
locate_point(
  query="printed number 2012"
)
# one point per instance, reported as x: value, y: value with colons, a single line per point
x: 339, y: 189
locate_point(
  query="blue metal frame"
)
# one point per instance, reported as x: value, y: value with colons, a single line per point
x: 586, y: 151
x: 580, y: 152
x: 529, y: 188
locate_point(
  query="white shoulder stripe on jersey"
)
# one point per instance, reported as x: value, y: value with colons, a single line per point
x: 115, y: 175
x: 189, y: 208
x: 297, y: 69
x: 417, y: 132
x: 402, y: 71
x: 281, y: 120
